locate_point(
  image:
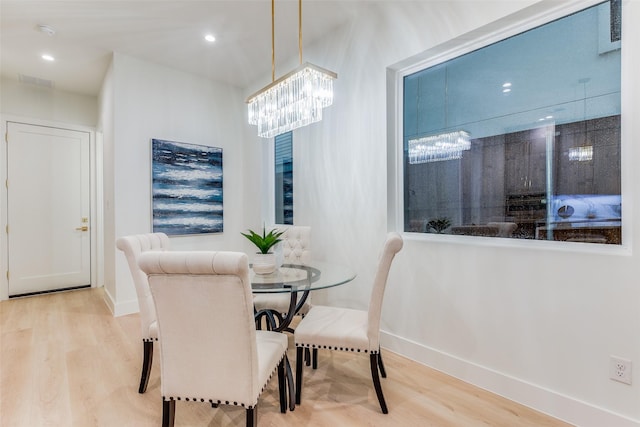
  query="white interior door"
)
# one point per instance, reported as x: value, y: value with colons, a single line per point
x: 48, y: 207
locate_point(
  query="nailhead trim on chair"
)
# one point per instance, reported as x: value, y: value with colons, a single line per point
x: 149, y: 339
x: 330, y: 347
x: 223, y: 402
x: 212, y: 401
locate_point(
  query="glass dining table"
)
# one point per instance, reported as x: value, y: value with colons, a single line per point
x: 296, y: 281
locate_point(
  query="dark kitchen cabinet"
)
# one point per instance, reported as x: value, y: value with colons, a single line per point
x: 525, y: 162
x: 599, y: 174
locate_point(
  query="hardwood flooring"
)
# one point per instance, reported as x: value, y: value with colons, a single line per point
x: 66, y: 361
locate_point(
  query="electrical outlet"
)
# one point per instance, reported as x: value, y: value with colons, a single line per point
x: 620, y: 369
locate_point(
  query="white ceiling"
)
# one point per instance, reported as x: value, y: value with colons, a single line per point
x: 167, y: 32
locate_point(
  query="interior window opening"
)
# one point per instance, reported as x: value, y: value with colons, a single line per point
x: 520, y: 139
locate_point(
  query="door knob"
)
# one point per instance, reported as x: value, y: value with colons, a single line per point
x: 83, y: 228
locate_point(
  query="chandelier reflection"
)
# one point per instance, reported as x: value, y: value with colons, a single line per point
x: 436, y: 148
x: 583, y: 153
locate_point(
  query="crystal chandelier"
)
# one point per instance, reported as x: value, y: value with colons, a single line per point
x: 435, y: 148
x: 295, y: 99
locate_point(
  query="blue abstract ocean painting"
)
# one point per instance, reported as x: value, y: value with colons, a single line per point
x: 186, y: 188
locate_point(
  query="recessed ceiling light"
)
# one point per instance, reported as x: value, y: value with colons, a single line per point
x: 507, y: 84
x: 48, y: 57
x: 506, y: 90
x: 210, y: 38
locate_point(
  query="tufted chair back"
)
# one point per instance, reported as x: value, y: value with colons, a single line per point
x: 296, y: 244
x: 209, y: 345
x: 296, y: 249
x: 392, y: 246
x: 347, y: 329
x: 133, y: 246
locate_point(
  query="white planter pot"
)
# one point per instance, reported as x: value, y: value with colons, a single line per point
x: 264, y: 263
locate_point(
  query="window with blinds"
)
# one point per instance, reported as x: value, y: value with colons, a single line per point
x: 284, y: 178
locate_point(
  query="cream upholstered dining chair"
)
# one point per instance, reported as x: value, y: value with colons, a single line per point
x: 347, y: 329
x: 133, y: 246
x: 210, y: 350
x: 296, y: 249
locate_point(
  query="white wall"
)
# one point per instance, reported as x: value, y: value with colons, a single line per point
x: 151, y: 101
x: 106, y: 128
x: 36, y: 102
x: 533, y: 323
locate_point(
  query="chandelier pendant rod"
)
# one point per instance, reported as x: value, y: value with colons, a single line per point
x: 273, y: 41
x: 300, y: 30
x: 293, y: 100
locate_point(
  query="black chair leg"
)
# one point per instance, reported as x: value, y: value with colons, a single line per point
x: 373, y: 358
x: 272, y: 323
x: 146, y: 365
x: 383, y: 373
x: 299, y: 351
x: 168, y: 413
x: 307, y: 356
x: 252, y: 417
x: 258, y: 320
x: 282, y: 387
x: 289, y: 372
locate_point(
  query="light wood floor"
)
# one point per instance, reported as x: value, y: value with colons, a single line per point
x: 66, y: 361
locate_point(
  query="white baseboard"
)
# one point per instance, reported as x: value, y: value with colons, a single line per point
x: 108, y: 299
x: 554, y: 404
x: 120, y: 308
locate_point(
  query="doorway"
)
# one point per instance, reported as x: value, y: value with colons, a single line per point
x: 48, y: 208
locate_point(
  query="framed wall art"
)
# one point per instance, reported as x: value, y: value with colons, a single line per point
x: 186, y: 188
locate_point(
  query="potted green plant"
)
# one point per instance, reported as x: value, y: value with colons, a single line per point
x: 264, y: 262
x: 438, y: 225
